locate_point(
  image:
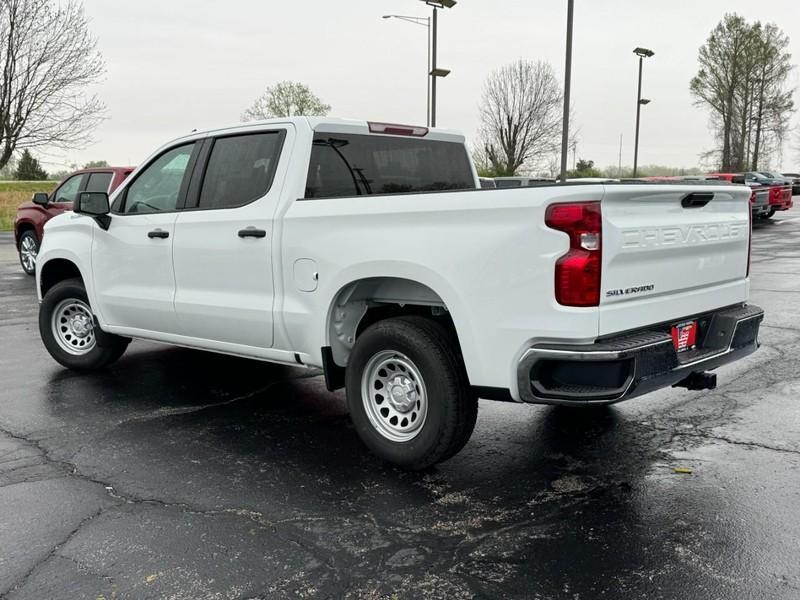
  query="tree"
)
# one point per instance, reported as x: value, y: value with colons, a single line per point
x: 29, y: 169
x: 93, y: 164
x: 48, y: 59
x: 286, y: 99
x: 742, y: 80
x: 584, y: 168
x: 520, y: 116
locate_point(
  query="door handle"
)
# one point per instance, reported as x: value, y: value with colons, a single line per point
x: 158, y: 233
x: 252, y: 232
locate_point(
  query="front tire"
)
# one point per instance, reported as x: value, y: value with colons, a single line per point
x: 67, y: 328
x: 408, y: 393
x: 28, y: 250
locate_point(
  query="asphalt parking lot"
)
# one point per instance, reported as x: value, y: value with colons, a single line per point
x: 178, y: 474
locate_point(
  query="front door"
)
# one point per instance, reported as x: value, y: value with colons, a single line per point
x: 223, y: 242
x: 134, y: 278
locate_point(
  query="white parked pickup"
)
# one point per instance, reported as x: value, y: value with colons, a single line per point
x: 367, y: 250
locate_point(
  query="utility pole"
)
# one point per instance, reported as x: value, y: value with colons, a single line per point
x: 567, y: 85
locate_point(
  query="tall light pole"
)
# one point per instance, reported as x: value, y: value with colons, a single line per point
x: 436, y: 72
x: 567, y: 85
x: 642, y: 53
x: 425, y: 22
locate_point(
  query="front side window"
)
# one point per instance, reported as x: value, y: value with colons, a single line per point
x: 99, y: 182
x: 68, y: 191
x: 240, y: 169
x: 355, y: 165
x: 157, y: 187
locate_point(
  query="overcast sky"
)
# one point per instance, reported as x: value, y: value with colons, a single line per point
x: 176, y: 65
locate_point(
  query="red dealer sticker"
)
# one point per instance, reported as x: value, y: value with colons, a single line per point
x: 684, y: 336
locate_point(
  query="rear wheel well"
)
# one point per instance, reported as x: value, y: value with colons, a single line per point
x: 57, y: 270
x: 365, y: 302
x: 381, y: 312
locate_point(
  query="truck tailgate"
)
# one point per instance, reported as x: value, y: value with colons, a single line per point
x: 671, y: 251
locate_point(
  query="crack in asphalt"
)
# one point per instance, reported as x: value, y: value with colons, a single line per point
x: 53, y: 552
x: 70, y: 469
x: 722, y: 438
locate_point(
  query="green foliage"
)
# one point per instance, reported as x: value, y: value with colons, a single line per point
x: 29, y: 169
x: 94, y: 164
x: 584, y: 168
x: 14, y: 193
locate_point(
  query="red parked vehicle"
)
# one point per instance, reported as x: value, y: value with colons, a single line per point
x: 31, y: 216
x: 779, y: 191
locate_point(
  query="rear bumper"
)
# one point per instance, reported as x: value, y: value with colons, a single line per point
x: 635, y: 363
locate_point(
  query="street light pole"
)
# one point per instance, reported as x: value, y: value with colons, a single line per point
x: 642, y: 53
x: 435, y: 71
x: 567, y: 85
x: 433, y: 67
x: 425, y: 22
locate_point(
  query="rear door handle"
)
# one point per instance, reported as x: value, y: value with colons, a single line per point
x: 252, y: 232
x: 158, y: 233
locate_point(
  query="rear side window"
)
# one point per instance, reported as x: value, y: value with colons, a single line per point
x: 99, y: 182
x: 240, y: 169
x: 355, y: 165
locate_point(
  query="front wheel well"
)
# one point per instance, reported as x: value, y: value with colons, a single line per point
x: 57, y: 270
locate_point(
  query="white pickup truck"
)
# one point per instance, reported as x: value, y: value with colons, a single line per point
x: 367, y: 250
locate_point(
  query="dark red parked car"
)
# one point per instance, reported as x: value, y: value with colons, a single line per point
x: 31, y: 216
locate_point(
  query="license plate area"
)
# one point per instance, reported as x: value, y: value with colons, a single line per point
x: 684, y: 336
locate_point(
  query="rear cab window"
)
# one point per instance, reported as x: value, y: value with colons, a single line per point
x: 99, y: 182
x: 344, y: 165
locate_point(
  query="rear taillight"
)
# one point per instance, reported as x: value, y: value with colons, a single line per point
x: 577, y: 281
x: 753, y: 197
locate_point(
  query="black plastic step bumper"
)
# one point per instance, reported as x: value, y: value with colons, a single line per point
x: 632, y: 364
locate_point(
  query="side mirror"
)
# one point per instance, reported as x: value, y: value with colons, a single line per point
x: 737, y: 179
x: 41, y: 198
x: 95, y: 205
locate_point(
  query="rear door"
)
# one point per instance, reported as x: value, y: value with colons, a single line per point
x: 224, y: 239
x: 671, y: 251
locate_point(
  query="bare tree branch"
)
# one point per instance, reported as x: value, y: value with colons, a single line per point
x: 742, y: 80
x: 48, y: 58
x: 520, y: 117
x: 286, y: 99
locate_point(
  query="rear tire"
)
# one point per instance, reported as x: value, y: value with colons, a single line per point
x: 28, y: 249
x: 67, y: 328
x: 408, y: 393
x: 770, y: 214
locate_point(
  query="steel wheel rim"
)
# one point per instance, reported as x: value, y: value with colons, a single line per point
x: 73, y: 326
x: 394, y: 396
x: 28, y: 252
